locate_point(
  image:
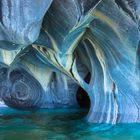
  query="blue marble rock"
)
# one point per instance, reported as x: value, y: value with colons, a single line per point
x: 48, y: 47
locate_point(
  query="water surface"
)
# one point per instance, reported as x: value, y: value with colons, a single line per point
x: 60, y: 124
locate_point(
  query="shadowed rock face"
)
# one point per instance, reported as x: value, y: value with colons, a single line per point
x: 21, y: 90
x: 48, y: 47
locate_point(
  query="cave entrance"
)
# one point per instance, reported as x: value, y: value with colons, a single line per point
x: 82, y: 97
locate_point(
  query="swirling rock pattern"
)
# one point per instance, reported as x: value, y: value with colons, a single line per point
x: 21, y: 90
x: 47, y: 47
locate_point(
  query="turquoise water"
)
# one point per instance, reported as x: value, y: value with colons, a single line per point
x: 60, y: 124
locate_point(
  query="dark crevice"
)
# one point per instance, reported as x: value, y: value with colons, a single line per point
x: 88, y: 78
x: 82, y: 97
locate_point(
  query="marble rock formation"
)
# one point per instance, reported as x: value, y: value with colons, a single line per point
x: 48, y: 47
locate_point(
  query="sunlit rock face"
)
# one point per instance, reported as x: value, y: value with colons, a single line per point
x: 48, y: 47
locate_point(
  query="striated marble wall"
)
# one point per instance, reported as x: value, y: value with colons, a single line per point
x: 47, y: 47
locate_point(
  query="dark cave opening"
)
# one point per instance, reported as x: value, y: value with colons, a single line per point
x: 82, y: 96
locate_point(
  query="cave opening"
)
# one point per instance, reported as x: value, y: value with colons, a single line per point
x: 82, y: 97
